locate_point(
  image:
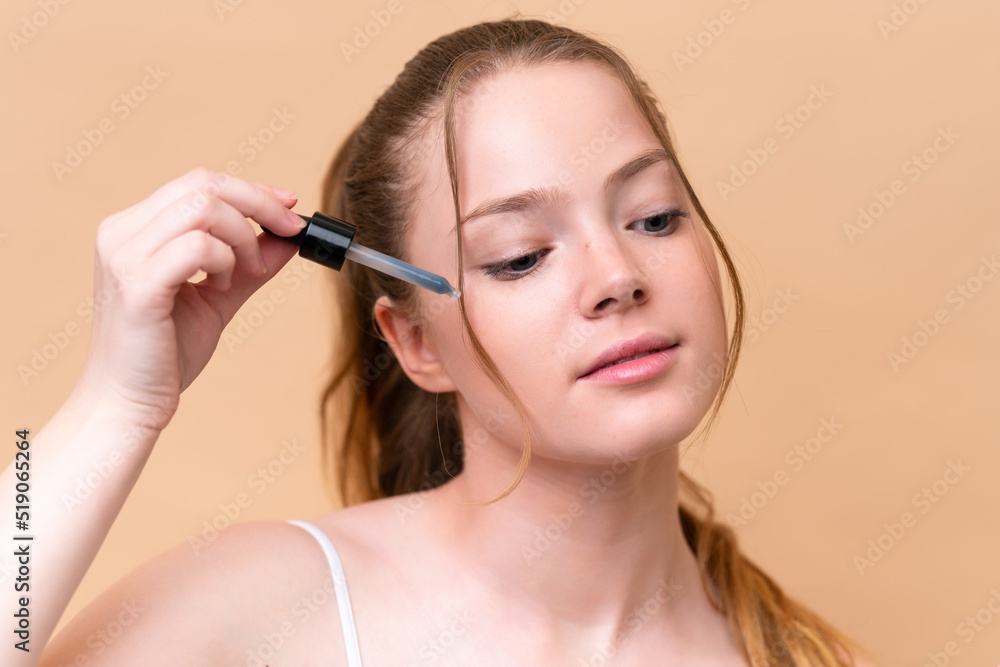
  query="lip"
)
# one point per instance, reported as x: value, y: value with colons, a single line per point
x: 637, y: 368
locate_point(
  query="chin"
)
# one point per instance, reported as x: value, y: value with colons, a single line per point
x: 606, y: 448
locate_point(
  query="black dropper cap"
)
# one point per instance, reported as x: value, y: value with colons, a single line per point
x: 324, y: 239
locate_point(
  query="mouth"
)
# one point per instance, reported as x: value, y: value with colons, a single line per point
x: 634, y: 356
x: 629, y: 350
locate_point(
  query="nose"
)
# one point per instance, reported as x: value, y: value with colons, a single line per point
x: 613, y: 280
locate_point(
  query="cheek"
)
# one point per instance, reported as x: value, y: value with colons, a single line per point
x: 693, y: 272
x: 518, y: 333
x: 702, y: 299
x: 706, y: 321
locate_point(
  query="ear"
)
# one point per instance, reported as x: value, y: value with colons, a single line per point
x: 416, y: 352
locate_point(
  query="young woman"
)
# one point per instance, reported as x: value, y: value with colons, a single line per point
x: 510, y: 460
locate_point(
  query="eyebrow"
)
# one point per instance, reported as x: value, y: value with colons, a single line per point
x: 535, y: 198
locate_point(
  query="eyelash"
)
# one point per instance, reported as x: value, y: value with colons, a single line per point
x: 500, y: 269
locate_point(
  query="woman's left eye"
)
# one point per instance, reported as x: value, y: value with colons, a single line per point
x: 663, y: 223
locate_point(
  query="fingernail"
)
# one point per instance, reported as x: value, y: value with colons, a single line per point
x: 263, y: 267
x: 296, y: 218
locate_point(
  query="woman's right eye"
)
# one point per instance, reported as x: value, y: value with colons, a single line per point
x: 515, y: 269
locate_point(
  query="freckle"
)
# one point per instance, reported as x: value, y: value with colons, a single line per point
x: 586, y: 246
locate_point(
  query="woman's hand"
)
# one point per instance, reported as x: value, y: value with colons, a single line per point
x: 153, y: 331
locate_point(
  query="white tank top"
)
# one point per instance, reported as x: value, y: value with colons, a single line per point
x: 340, y: 586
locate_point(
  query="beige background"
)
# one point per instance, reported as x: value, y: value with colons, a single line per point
x: 824, y: 356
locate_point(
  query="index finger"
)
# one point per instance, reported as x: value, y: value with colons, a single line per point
x: 208, y: 181
x: 255, y: 201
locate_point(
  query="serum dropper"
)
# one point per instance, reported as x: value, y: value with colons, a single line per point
x: 329, y: 241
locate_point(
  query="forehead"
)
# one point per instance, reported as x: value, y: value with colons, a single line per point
x: 527, y: 127
x: 558, y: 124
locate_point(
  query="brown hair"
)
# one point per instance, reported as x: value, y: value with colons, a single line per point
x: 394, y: 432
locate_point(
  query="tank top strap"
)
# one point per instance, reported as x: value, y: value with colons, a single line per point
x: 340, y: 587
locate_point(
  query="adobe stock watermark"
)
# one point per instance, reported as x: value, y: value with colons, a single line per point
x: 224, y: 8
x: 914, y: 167
x: 639, y: 616
x: 768, y: 316
x: 257, y: 483
x: 698, y: 43
x: 32, y: 24
x: 796, y: 457
x: 435, y: 648
x: 470, y: 101
x: 586, y: 153
x: 899, y: 16
x: 787, y: 126
x: 590, y: 491
x: 777, y: 652
x: 40, y: 357
x: 301, y: 612
x: 960, y: 295
x: 253, y: 315
x: 924, y: 501
x: 370, y: 30
x: 564, y: 10
x: 102, y: 639
x: 121, y: 108
x: 372, y: 369
x: 409, y: 504
x: 250, y: 148
x: 968, y: 629
x: 57, y: 341
x: 134, y: 436
x: 757, y: 325
x: 256, y: 312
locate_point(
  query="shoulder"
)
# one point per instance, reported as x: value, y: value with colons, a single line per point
x: 376, y: 527
x: 207, y: 602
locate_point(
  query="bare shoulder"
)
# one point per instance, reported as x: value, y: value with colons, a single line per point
x: 257, y: 588
x: 371, y: 536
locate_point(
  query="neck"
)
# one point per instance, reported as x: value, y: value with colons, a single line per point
x: 590, y: 547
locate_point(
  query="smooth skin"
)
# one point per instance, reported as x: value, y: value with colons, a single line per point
x: 432, y: 581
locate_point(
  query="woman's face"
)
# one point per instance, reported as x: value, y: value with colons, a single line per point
x: 555, y: 280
